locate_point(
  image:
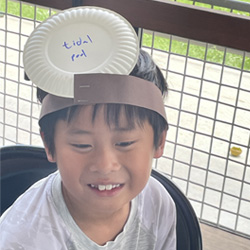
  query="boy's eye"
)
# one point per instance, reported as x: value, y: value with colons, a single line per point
x: 82, y: 146
x: 125, y: 144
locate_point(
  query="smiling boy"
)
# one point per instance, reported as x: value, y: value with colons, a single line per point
x: 102, y: 169
x: 102, y: 196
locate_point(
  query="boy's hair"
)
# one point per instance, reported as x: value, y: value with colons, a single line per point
x: 145, y: 69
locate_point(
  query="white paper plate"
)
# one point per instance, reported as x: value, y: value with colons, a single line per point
x: 77, y: 41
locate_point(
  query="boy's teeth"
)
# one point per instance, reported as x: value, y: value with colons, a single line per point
x: 105, y: 187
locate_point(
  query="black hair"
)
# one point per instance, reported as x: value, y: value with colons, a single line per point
x: 145, y: 69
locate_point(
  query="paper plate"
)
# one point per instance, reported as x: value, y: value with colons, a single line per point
x: 77, y: 41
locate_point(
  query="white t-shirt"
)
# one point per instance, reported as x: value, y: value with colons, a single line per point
x: 39, y: 219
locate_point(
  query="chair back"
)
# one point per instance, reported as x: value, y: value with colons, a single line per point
x: 20, y: 167
x: 188, y: 228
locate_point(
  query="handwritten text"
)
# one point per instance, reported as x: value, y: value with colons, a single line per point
x: 77, y: 43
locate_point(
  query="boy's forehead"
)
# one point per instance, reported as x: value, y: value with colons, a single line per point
x: 115, y: 117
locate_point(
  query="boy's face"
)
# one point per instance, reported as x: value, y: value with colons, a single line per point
x: 103, y: 167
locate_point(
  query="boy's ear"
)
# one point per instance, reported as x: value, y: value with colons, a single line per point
x: 50, y: 157
x: 159, y: 150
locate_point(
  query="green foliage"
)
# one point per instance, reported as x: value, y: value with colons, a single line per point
x: 215, y: 55
x: 247, y: 63
x: 25, y: 10
x: 28, y: 11
x: 13, y: 8
x: 203, y: 5
x: 212, y: 54
x: 196, y: 51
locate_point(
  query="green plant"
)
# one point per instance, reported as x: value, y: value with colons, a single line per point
x: 212, y: 54
x: 25, y: 10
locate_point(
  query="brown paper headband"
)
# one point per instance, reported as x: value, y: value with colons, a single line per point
x: 92, y: 89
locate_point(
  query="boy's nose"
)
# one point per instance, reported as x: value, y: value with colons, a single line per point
x: 105, y: 161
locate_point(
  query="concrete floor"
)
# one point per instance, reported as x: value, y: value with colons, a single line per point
x: 216, y: 239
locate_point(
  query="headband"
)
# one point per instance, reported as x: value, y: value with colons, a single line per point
x: 83, y: 56
x: 106, y: 88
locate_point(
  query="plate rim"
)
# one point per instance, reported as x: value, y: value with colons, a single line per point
x: 49, y: 84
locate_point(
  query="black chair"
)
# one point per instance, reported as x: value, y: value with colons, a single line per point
x: 21, y: 166
x: 188, y: 228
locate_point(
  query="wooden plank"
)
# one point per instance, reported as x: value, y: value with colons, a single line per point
x: 214, y: 238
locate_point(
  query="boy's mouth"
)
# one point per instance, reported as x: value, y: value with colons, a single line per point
x: 105, y: 187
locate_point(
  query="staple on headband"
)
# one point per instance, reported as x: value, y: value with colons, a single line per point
x: 92, y: 89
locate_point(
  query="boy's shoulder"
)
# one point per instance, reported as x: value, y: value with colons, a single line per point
x: 157, y: 215
x: 155, y: 192
x: 31, y: 220
x: 157, y: 205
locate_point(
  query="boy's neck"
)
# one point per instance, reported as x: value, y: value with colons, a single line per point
x: 102, y: 231
x: 99, y: 227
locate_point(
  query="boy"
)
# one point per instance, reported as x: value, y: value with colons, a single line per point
x: 102, y: 197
